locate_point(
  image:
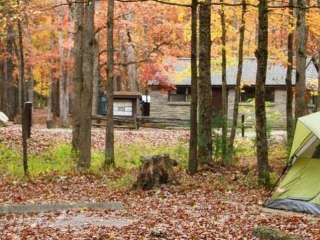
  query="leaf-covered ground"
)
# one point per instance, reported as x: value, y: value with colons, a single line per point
x: 217, y: 204
x: 212, y: 205
x: 43, y: 138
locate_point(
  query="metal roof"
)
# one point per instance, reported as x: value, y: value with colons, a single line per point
x: 126, y: 94
x: 276, y: 73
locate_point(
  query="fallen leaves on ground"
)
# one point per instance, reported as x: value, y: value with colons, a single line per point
x: 43, y: 138
x: 216, y: 204
x: 210, y: 205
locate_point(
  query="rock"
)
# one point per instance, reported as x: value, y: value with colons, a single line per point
x: 155, y: 171
x: 265, y: 233
x: 4, y: 120
x: 159, y: 233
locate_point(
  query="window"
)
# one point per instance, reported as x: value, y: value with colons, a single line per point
x: 248, y: 93
x: 181, y: 94
x: 269, y: 94
x: 314, y: 99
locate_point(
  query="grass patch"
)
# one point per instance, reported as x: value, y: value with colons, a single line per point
x: 59, y: 159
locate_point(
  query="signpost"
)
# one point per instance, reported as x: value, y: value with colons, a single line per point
x: 26, y: 133
x: 28, y: 117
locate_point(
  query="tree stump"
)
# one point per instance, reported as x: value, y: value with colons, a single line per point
x: 155, y: 171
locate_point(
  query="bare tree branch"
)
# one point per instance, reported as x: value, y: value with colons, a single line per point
x: 69, y: 3
x: 146, y: 59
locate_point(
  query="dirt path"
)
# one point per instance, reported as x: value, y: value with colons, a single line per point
x: 54, y: 207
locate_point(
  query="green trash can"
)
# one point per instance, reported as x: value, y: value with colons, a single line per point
x: 102, y: 109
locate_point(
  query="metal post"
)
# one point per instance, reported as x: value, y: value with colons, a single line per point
x: 242, y: 125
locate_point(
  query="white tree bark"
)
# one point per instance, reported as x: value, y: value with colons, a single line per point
x: 132, y: 67
x: 63, y: 86
x: 128, y: 58
x: 50, y: 84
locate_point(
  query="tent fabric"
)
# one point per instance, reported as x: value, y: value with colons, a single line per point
x: 312, y: 121
x: 301, y: 182
x: 295, y: 206
x: 309, y: 148
x: 301, y: 135
x: 299, y: 189
x: 306, y: 126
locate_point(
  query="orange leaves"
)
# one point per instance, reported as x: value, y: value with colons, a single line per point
x: 157, y: 74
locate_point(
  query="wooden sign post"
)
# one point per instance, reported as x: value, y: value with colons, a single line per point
x: 26, y: 133
x: 28, y: 117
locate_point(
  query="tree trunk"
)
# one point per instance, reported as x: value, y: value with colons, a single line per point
x: 96, y: 69
x: 289, y: 101
x: 238, y: 79
x: 260, y: 110
x: 318, y: 96
x: 129, y: 75
x: 225, y: 157
x: 2, y: 107
x: 96, y: 78
x: 86, y: 88
x: 50, y: 86
x: 55, y: 99
x: 132, y: 68
x: 122, y: 79
x: 77, y: 75
x: 30, y: 85
x: 204, y: 85
x: 301, y: 41
x: 10, y: 88
x: 63, y: 88
x: 109, y: 147
x: 55, y: 106
x: 22, y: 93
x: 68, y: 74
x: 193, y: 161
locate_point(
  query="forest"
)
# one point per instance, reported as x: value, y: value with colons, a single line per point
x: 159, y: 119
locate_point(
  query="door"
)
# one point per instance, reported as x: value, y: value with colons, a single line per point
x: 217, y: 101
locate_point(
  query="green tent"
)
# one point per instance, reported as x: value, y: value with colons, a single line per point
x: 299, y: 189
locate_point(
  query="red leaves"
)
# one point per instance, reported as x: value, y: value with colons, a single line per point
x: 193, y: 210
x: 158, y: 74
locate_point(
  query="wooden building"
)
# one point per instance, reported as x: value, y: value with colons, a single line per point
x: 176, y: 103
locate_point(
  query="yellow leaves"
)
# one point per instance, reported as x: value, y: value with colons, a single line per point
x: 40, y: 40
x: 40, y: 75
x: 313, y: 19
